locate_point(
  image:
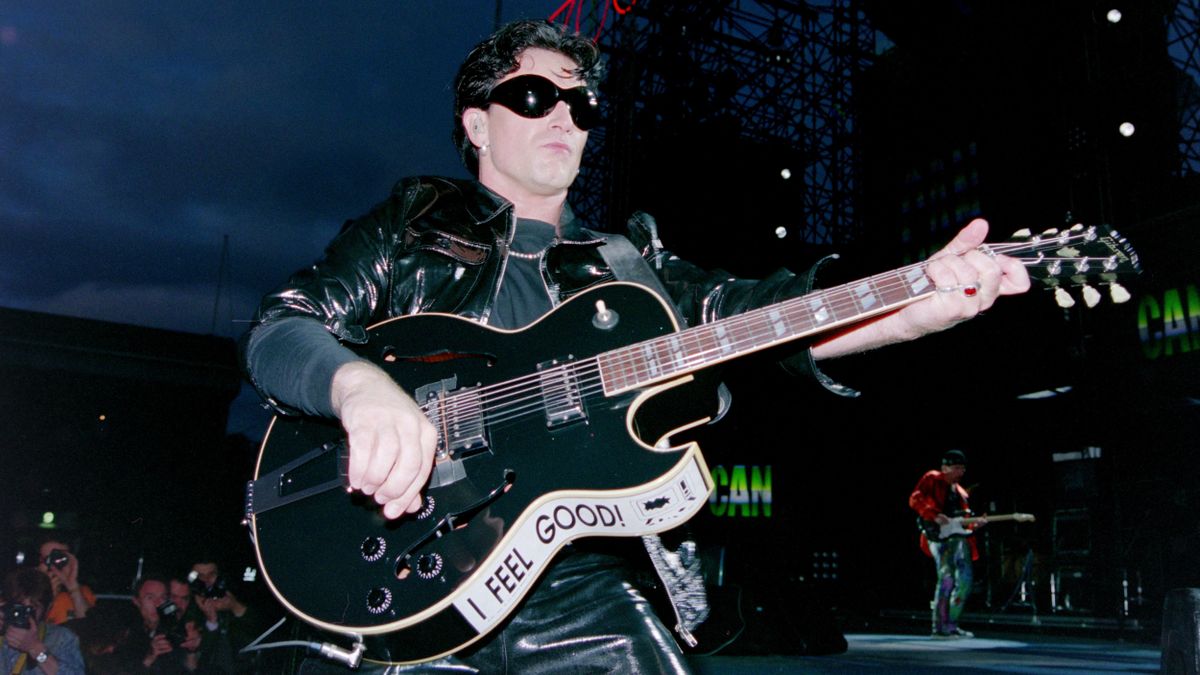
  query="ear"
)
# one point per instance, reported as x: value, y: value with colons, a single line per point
x: 474, y: 121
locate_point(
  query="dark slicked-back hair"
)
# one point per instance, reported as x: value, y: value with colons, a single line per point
x: 496, y: 57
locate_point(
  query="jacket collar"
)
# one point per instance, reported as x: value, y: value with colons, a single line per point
x: 483, y: 206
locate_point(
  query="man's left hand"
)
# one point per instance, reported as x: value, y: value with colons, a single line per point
x: 192, y: 642
x: 968, y: 282
x: 24, y: 639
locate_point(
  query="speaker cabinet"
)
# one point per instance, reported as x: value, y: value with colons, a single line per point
x: 1181, y: 631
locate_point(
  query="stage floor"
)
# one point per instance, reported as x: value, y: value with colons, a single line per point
x: 992, y: 652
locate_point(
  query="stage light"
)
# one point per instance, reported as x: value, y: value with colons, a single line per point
x: 1113, y: 16
x: 786, y: 173
x: 48, y: 519
x: 1126, y: 129
x: 781, y: 232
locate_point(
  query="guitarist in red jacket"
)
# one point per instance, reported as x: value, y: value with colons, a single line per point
x: 937, y: 498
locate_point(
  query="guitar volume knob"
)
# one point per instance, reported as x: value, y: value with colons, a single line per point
x: 379, y: 600
x: 430, y: 505
x: 429, y: 566
x: 373, y: 548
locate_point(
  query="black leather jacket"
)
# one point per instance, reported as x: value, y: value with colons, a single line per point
x: 441, y: 245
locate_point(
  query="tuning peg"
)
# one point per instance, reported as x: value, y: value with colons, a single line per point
x: 1091, y: 296
x: 1118, y: 293
x: 1063, y: 298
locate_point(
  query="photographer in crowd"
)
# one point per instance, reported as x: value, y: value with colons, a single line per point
x: 71, y: 599
x: 164, y: 641
x: 215, y: 654
x: 31, y: 644
x: 229, y: 621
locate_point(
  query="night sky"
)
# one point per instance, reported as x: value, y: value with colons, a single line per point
x: 135, y: 137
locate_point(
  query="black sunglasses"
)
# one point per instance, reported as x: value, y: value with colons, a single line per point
x: 533, y: 96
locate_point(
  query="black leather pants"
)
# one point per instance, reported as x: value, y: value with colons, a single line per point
x: 583, y: 617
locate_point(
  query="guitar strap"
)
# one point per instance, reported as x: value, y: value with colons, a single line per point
x: 679, y: 570
x: 627, y: 264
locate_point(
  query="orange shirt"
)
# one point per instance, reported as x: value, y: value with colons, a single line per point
x: 62, y: 609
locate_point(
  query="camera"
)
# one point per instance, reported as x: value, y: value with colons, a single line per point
x: 57, y: 558
x: 217, y: 590
x: 171, y: 624
x: 17, y: 615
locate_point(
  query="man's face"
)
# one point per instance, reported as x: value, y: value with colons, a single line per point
x: 954, y: 472
x: 206, y: 573
x: 181, y: 595
x: 152, y: 594
x: 531, y: 157
x: 45, y: 551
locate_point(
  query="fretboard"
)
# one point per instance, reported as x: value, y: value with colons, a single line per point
x: 687, y: 351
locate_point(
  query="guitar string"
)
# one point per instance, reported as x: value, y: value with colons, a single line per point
x: 541, y: 393
x: 563, y: 390
x: 832, y: 296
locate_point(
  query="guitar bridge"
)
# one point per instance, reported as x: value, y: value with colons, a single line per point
x: 458, y: 417
x: 560, y: 392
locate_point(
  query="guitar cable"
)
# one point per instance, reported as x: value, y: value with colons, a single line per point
x: 351, y: 658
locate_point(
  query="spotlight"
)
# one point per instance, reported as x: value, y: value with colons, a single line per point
x: 1126, y: 129
x: 1113, y: 16
x: 786, y: 173
x: 781, y: 232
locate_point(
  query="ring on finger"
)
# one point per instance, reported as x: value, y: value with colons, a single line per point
x: 969, y: 290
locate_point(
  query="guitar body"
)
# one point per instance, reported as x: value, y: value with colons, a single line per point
x: 935, y: 532
x: 544, y: 470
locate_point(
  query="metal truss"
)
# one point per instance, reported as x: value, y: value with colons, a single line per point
x: 777, y: 74
x: 1183, y: 46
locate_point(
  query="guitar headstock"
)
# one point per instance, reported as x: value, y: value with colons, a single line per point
x: 1024, y: 517
x: 1081, y: 256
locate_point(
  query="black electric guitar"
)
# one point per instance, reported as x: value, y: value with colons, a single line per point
x: 540, y: 443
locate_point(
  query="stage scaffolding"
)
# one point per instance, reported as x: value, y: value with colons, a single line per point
x: 779, y: 73
x: 1183, y: 46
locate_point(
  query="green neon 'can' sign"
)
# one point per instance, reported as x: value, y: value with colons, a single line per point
x: 1171, y: 326
x: 741, y: 491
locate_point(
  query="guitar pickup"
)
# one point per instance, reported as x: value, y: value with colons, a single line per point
x: 561, y: 398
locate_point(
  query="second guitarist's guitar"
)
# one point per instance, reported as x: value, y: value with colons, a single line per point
x: 961, y: 526
x: 540, y: 442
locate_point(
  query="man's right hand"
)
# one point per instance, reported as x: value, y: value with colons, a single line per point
x: 391, y: 440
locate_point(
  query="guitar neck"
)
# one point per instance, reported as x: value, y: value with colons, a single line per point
x: 1070, y: 257
x: 703, y: 346
x: 996, y: 519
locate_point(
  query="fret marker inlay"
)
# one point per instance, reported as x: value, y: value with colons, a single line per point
x: 819, y: 313
x: 866, y: 296
x: 917, y: 281
x: 777, y: 322
x: 723, y: 340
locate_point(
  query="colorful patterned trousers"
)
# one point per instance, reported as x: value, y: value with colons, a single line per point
x: 953, y: 560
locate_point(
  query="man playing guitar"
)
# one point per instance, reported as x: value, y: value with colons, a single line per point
x: 939, y: 499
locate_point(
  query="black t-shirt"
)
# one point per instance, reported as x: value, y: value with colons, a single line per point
x: 523, y: 296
